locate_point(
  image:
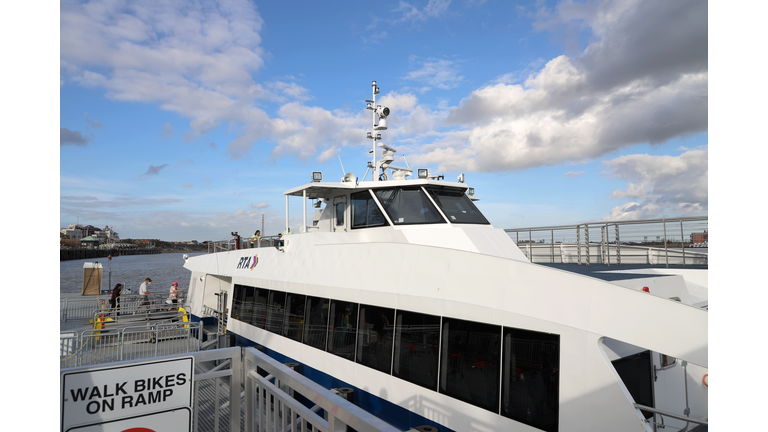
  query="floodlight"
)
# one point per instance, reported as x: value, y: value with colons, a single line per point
x: 369, y: 136
x: 471, y: 191
x: 381, y: 111
x: 378, y: 136
x: 317, y: 176
x: 423, y: 173
x: 461, y: 178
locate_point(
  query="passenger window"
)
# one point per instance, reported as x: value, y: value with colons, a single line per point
x: 249, y: 305
x: 469, y: 362
x: 374, y: 337
x: 295, y: 305
x: 342, y: 329
x: 417, y: 344
x: 276, y: 312
x: 316, y: 317
x: 531, y: 383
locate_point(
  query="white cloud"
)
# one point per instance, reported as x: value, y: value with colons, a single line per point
x: 442, y: 74
x: 574, y: 174
x: 433, y: 9
x: 675, y: 185
x: 577, y: 108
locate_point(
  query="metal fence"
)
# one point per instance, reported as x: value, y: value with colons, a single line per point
x: 243, y: 243
x: 677, y: 241
x: 96, y: 346
x: 242, y: 389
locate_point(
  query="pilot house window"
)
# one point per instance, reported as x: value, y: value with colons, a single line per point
x: 407, y: 206
x: 456, y: 205
x: 365, y: 212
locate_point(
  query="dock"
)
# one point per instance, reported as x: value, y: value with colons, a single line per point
x: 88, y: 253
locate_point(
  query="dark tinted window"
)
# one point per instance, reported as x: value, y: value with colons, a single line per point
x: 343, y: 324
x: 456, y: 205
x: 339, y: 214
x: 407, y: 206
x: 316, y: 330
x: 365, y: 212
x: 374, y: 337
x: 275, y: 320
x: 531, y: 383
x: 249, y: 305
x: 417, y: 342
x: 469, y: 362
x: 295, y: 304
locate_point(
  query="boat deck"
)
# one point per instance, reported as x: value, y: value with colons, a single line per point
x: 599, y: 270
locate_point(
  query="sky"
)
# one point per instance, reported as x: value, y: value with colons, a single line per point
x: 188, y: 120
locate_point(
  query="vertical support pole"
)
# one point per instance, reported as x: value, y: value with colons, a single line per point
x: 586, y: 239
x: 552, y: 248
x: 530, y: 247
x: 666, y: 255
x: 682, y: 240
x: 286, y: 214
x: 578, y: 242
x: 602, y: 245
x: 607, y: 245
x: 304, y: 200
x: 618, y: 246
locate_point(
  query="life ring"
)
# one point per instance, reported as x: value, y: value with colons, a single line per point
x: 704, y: 380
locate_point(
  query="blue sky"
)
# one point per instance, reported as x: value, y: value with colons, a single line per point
x: 188, y: 120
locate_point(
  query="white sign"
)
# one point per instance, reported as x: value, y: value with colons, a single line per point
x: 176, y: 420
x: 101, y: 394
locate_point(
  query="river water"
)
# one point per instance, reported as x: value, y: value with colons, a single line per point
x: 130, y: 270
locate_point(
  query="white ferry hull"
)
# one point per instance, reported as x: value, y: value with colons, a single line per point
x: 380, y: 267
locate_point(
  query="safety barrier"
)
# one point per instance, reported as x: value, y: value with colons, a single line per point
x: 677, y: 241
x: 242, y: 389
x: 106, y: 345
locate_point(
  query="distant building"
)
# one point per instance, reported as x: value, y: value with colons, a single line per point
x: 79, y: 232
x: 111, y: 234
x: 72, y: 233
x: 700, y: 237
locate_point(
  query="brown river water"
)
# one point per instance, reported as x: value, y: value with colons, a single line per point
x: 130, y: 270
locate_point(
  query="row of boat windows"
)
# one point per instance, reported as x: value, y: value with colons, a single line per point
x: 410, y: 206
x: 463, y: 359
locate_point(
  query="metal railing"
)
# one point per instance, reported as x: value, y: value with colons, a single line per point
x: 661, y: 414
x: 76, y: 308
x: 676, y: 241
x: 106, y: 345
x: 242, y: 389
x: 271, y: 405
x: 245, y: 243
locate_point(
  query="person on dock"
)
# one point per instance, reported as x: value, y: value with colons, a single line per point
x: 114, y: 301
x: 143, y: 293
x: 256, y: 237
x: 173, y: 297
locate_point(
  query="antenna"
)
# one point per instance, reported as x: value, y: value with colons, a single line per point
x: 406, y: 162
x: 343, y: 172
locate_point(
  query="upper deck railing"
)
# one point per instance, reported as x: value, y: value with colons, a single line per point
x: 677, y: 241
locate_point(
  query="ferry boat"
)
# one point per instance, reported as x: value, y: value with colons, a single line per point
x: 402, y: 290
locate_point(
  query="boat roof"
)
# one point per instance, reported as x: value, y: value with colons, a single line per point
x: 326, y: 189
